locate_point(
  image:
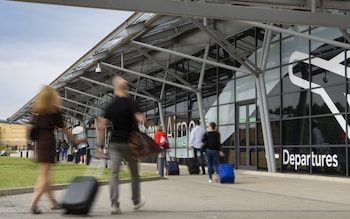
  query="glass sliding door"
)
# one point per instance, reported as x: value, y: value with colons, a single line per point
x: 246, y: 135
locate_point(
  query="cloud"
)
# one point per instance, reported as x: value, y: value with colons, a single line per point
x: 39, y: 42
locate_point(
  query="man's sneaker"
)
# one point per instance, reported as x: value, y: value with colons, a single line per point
x: 210, y: 181
x: 141, y: 203
x: 116, y: 210
x: 216, y: 178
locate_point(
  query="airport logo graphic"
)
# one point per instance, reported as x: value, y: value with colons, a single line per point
x: 334, y: 66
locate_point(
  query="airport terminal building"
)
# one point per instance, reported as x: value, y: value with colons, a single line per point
x: 279, y: 93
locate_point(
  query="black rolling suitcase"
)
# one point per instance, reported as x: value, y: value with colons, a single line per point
x: 173, y: 168
x: 70, y: 158
x: 193, y: 166
x: 79, y: 195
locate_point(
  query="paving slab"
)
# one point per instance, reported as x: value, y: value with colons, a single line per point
x: 253, y: 195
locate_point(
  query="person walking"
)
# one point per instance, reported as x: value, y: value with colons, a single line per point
x: 64, y: 150
x: 196, y: 142
x: 47, y: 118
x: 124, y: 113
x: 212, y: 147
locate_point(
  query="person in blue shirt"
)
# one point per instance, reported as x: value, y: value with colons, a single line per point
x: 196, y: 142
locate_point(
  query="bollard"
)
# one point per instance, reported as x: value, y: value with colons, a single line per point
x: 160, y: 163
x: 76, y: 156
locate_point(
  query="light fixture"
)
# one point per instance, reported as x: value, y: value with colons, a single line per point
x: 98, y: 68
x: 325, y: 80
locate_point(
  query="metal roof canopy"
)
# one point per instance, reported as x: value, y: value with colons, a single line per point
x: 182, y: 48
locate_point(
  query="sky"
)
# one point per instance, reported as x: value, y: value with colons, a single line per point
x: 39, y: 42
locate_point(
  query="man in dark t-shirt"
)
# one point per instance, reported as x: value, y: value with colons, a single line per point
x: 124, y: 113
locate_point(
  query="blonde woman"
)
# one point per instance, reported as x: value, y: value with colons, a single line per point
x: 47, y: 109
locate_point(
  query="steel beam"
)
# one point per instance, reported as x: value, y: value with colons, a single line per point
x: 81, y: 104
x: 84, y: 93
x: 76, y: 111
x: 214, y: 10
x: 148, y: 76
x: 263, y: 105
x: 200, y: 84
x: 227, y: 46
x: 218, y: 64
x: 303, y: 35
x: 110, y: 86
x: 161, y: 66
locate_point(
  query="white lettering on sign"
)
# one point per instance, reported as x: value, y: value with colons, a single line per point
x: 317, y: 160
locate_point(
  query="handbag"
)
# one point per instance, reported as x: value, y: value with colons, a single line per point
x: 141, y: 145
x: 164, y: 143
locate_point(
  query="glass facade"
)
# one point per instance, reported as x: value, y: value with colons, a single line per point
x: 307, y: 93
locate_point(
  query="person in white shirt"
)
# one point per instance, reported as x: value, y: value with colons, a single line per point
x: 196, y: 142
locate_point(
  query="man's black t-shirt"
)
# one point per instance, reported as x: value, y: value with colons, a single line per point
x: 121, y: 112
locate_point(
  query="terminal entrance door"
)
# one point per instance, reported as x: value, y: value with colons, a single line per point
x: 246, y: 135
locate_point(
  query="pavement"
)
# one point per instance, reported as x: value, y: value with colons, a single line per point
x: 254, y: 194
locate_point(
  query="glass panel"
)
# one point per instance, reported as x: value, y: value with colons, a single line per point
x: 231, y: 153
x: 242, y: 135
x: 209, y: 101
x: 300, y: 70
x: 324, y: 78
x: 229, y: 141
x: 211, y: 115
x: 274, y: 104
x: 262, y: 163
x: 275, y: 129
x: 252, y: 156
x: 326, y: 130
x: 242, y: 114
x: 252, y: 112
x: 295, y: 132
x: 226, y: 114
x: 335, y: 96
x: 291, y: 44
x: 252, y: 135
x: 181, y: 107
x: 245, y: 88
x: 296, y: 104
x: 242, y: 156
x: 227, y: 133
x: 227, y: 95
x: 272, y: 81
x: 275, y: 48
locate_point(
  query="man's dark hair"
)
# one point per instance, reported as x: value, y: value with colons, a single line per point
x: 197, y: 121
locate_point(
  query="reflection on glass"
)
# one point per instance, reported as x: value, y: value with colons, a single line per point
x: 295, y: 132
x: 296, y: 104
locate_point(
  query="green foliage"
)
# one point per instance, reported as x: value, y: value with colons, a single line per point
x: 22, y: 172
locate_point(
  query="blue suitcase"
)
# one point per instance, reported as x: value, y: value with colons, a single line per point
x: 226, y: 173
x: 173, y: 168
